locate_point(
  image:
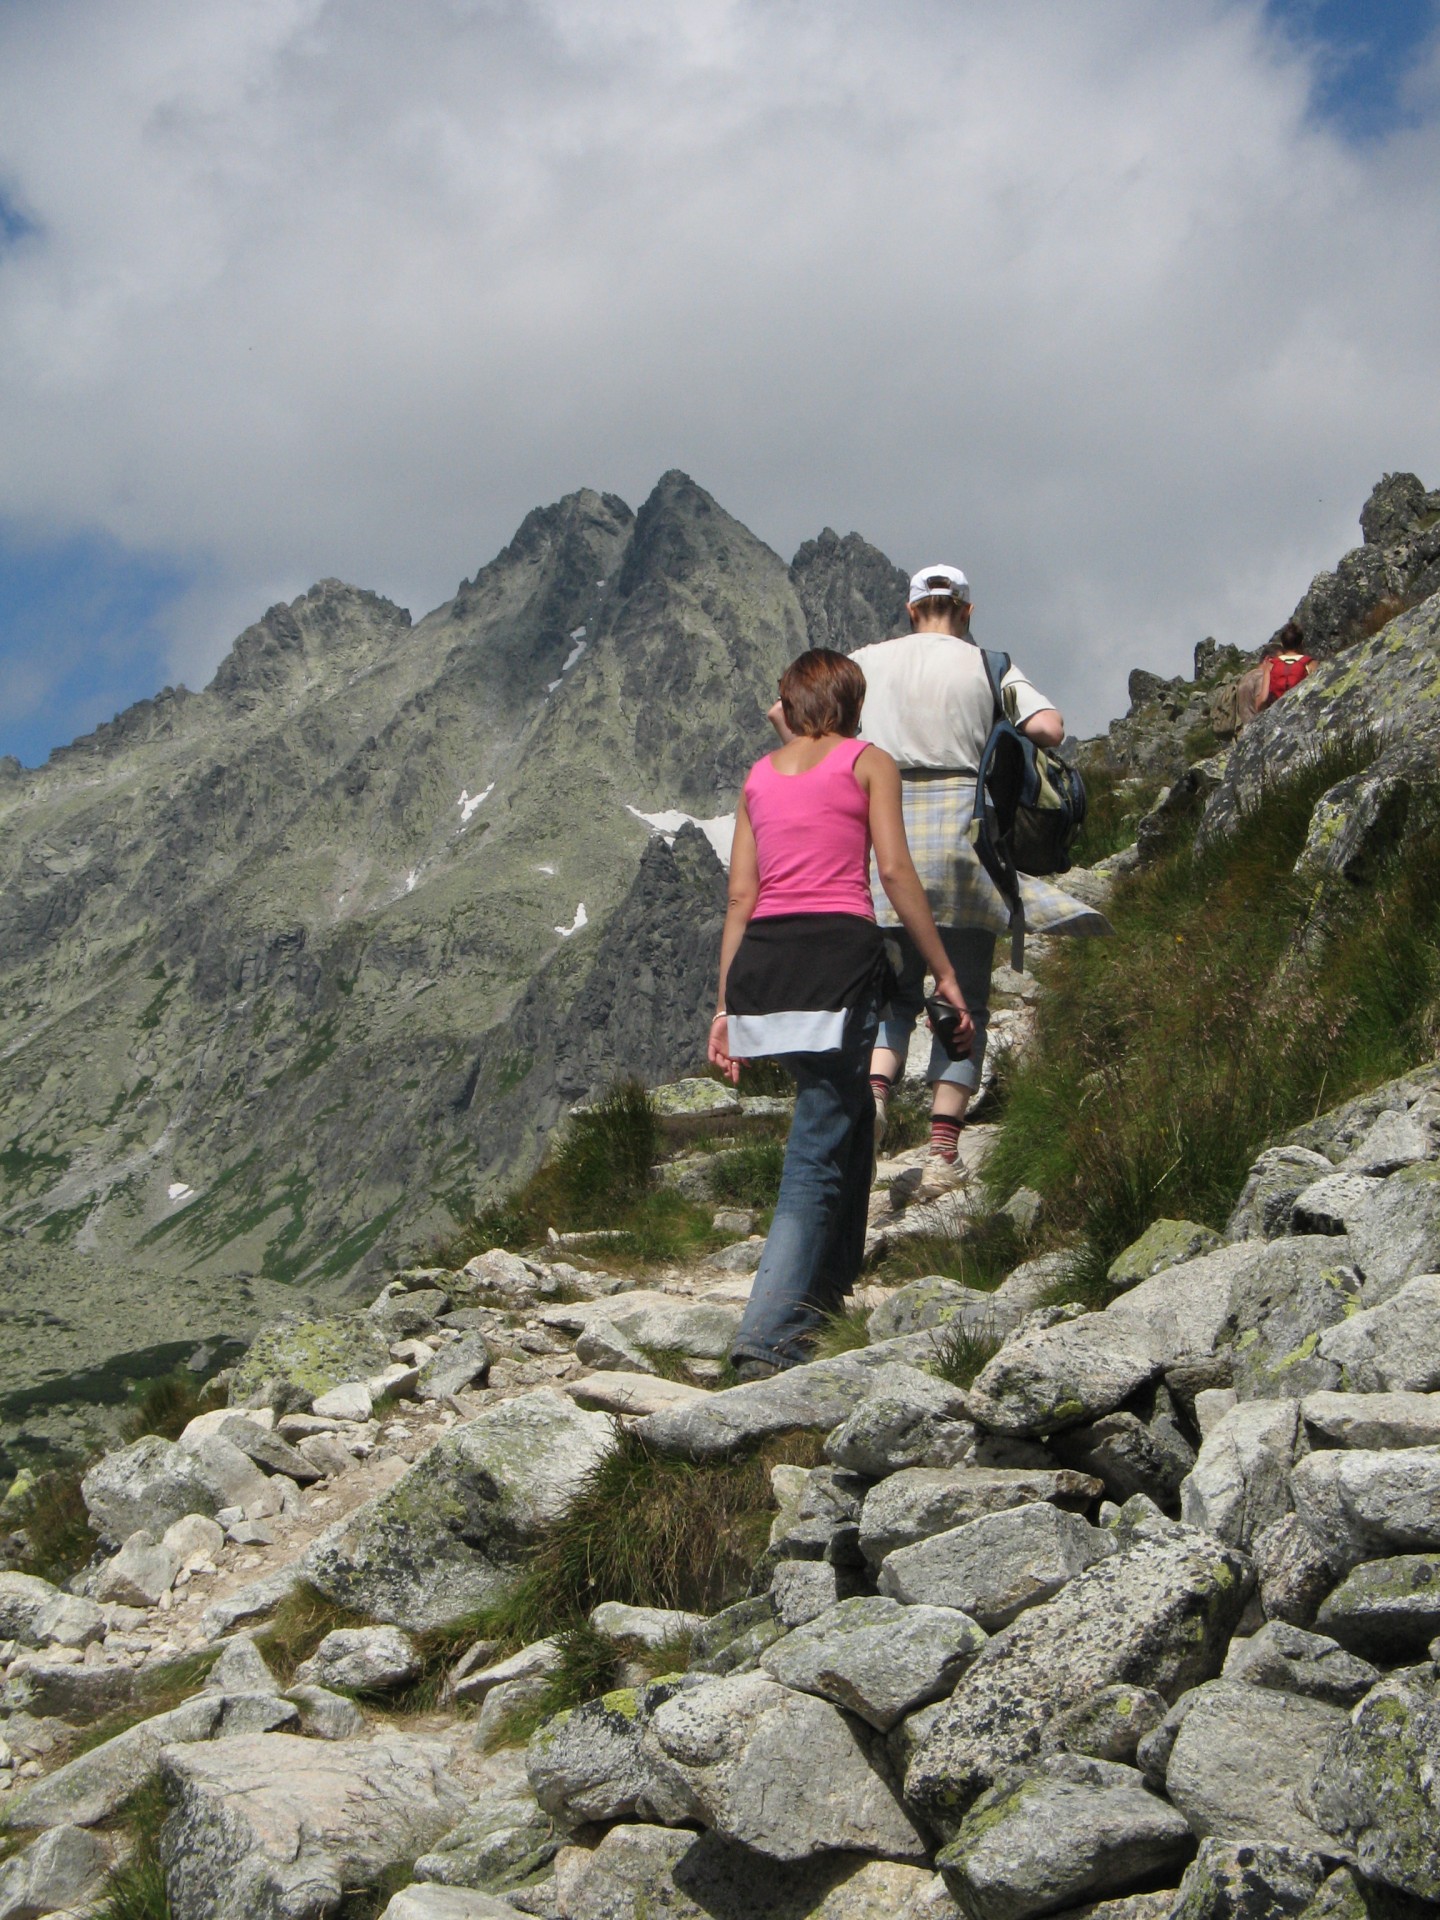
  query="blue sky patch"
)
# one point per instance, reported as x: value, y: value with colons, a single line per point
x: 81, y: 636
x: 1367, y: 49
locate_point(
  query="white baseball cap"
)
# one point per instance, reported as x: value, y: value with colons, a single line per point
x: 933, y: 582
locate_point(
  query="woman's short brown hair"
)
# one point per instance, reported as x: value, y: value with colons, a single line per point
x: 822, y: 692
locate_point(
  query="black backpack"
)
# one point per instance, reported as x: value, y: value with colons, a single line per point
x: 1029, y: 807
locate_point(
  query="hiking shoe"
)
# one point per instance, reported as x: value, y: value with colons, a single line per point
x: 749, y: 1370
x: 938, y: 1177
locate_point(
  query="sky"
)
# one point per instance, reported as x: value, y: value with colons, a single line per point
x: 1121, y: 306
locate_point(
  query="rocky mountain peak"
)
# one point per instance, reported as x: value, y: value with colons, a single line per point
x: 851, y: 593
x: 1398, y: 508
x: 289, y: 644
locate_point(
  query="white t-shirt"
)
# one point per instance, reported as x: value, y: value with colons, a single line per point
x: 928, y: 700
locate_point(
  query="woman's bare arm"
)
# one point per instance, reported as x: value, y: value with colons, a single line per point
x: 744, y: 892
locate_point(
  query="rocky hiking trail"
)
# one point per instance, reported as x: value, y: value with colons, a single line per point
x: 1143, y: 1621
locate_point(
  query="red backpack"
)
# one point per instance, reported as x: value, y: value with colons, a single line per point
x: 1286, y: 672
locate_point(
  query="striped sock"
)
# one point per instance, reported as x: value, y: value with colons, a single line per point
x: 881, y: 1086
x: 944, y: 1137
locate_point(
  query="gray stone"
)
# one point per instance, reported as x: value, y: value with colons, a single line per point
x: 741, y: 1257
x: 1293, y: 1661
x: 1294, y: 1570
x: 733, y: 1746
x: 651, y: 1873
x: 194, y: 1540
x: 1246, y: 1880
x: 91, y: 1787
x: 246, y: 1713
x: 1397, y: 1233
x: 1241, y: 1757
x: 1377, y: 1791
x: 995, y: 1567
x: 495, y: 1272
x: 250, y: 1602
x: 361, y: 1660
x: 690, y: 1098
x: 1387, y: 1609
x: 241, y: 1668
x: 1331, y: 1203
x: 704, y: 1329
x: 816, y: 1397
x: 296, y: 1358
x: 592, y: 1763
x: 1185, y: 1313
x: 139, y: 1574
x: 1058, y: 1376
x: 65, y: 1690
x: 917, y: 1421
x: 327, y: 1454
x: 154, y: 1482
x: 1159, y: 1614
x: 1373, y: 1421
x: 1280, y: 1311
x: 1392, y: 1347
x: 733, y: 1640
x: 351, y: 1401
x: 827, y: 1505
x: 408, y: 1316
x: 325, y: 1715
x: 801, y: 1590
x: 432, y: 1902
x: 1345, y: 1896
x: 921, y: 1501
x: 504, y: 1840
x: 267, y: 1449
x: 1270, y: 1191
x: 62, y: 1869
x: 651, y: 1627
x: 603, y: 1346
x: 451, y: 1535
x: 1067, y: 1830
x: 1395, y: 1140
x: 926, y: 1303
x: 1130, y: 1455
x: 876, y: 1657
x: 1023, y: 1289
x: 1210, y: 1406
x: 1111, y: 1724
x: 1164, y: 1244
x: 271, y: 1824
x: 455, y: 1367
x: 1024, y: 1209
x: 1368, y: 1504
x: 1240, y: 1483
x: 39, y: 1615
x: 537, y: 1661
x: 632, y: 1395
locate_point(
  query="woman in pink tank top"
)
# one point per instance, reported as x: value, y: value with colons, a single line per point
x: 801, y: 971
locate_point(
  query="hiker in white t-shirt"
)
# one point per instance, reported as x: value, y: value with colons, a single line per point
x: 928, y: 703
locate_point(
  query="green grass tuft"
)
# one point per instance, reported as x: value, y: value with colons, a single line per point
x: 980, y: 1257
x: 135, y: 1890
x: 55, y: 1526
x: 167, y: 1405
x: 961, y: 1352
x: 843, y: 1332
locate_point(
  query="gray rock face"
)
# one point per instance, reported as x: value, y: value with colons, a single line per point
x: 1246, y: 1881
x: 149, y: 1485
x: 732, y: 1745
x: 920, y: 1501
x: 1293, y: 1661
x: 1377, y: 1790
x: 1111, y: 1724
x: 1392, y: 1347
x: 428, y: 1902
x: 39, y: 1615
x: 449, y: 1536
x: 63, y: 1869
x: 296, y: 1358
x: 1396, y: 1234
x: 1387, y: 1609
x: 1069, y: 1830
x: 1274, y: 1183
x: 464, y: 1362
x: 504, y: 1840
x: 91, y: 1787
x: 592, y: 1763
x: 138, y: 1575
x: 362, y: 1660
x: 1164, y: 1244
x: 927, y: 1303
x: 1331, y: 1203
x: 876, y: 1657
x: 651, y: 1627
x: 1241, y: 1757
x: 995, y: 1567
x: 1241, y: 1480
x: 917, y: 1421
x: 63, y: 1690
x: 702, y: 1328
x: 1371, y: 1504
x: 802, y: 1590
x: 733, y: 1640
x: 825, y: 1514
x: 241, y: 1668
x: 1392, y: 1141
x: 1294, y: 1570
x: 1280, y: 1309
x: 1345, y: 1896
x: 1157, y: 1615
x: 1185, y: 1313
x: 274, y: 1826
x: 664, y: 1875
x: 1060, y: 1375
x: 1373, y: 1421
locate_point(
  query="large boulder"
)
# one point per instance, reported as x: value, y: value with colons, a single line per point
x: 61, y: 1871
x: 734, y: 1746
x: 451, y: 1535
x: 915, y: 1421
x: 1240, y: 1483
x: 1246, y: 1880
x: 277, y: 1828
x: 920, y: 1501
x: 1240, y: 1758
x: 1158, y: 1614
x: 298, y: 1358
x: 361, y: 1660
x: 1274, y: 1183
x: 94, y: 1785
x: 39, y: 1615
x: 1372, y: 1421
x: 1164, y: 1244
x: 592, y: 1764
x: 664, y: 1321
x: 1370, y: 1504
x: 1392, y: 1347
x: 1294, y: 1570
x: 152, y: 1483
x: 1293, y: 1661
x: 1396, y: 1234
x: 995, y: 1567
x: 930, y: 1302
x: 876, y: 1657
x: 1387, y: 1609
x: 1279, y: 1309
x: 1057, y: 1376
x: 1377, y: 1790
x: 1069, y: 1830
x: 504, y: 1840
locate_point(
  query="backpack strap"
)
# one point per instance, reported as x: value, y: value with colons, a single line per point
x: 997, y: 665
x: 996, y: 859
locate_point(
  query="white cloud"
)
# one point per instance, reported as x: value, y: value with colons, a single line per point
x: 1079, y: 296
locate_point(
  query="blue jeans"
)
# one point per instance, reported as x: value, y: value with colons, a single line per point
x: 972, y: 954
x: 817, y: 1239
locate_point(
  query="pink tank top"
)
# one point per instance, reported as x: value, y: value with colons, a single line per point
x: 812, y: 836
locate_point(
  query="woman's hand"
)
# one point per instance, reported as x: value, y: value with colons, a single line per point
x: 719, y: 1050
x: 947, y: 987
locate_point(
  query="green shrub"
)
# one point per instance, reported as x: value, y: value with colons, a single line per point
x: 980, y: 1257
x: 167, y: 1405
x: 55, y: 1524
x: 1235, y: 1001
x: 1115, y: 806
x: 961, y: 1352
x: 135, y: 1890
x: 748, y: 1175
